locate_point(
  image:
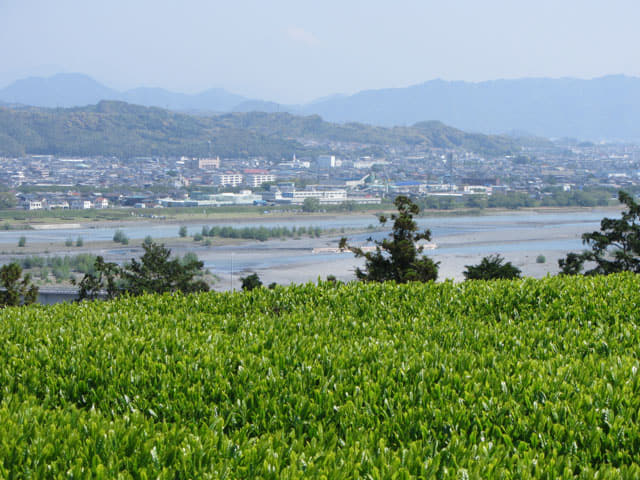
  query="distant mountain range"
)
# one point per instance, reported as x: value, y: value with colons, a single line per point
x: 606, y: 108
x: 74, y: 90
x: 601, y: 108
x: 126, y: 130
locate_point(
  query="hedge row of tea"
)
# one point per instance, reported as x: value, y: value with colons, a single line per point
x: 522, y: 379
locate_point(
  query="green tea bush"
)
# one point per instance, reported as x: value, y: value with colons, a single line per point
x: 497, y: 379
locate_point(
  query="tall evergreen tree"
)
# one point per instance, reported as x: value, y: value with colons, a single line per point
x: 398, y: 257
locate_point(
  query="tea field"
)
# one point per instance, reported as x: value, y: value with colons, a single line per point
x: 508, y: 379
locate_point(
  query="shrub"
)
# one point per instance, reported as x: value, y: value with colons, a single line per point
x: 251, y: 282
x: 491, y: 268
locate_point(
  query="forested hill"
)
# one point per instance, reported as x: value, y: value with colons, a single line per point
x: 125, y: 130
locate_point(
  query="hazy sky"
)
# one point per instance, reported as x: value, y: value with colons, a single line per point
x: 297, y: 50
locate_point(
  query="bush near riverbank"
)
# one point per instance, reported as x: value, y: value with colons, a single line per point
x: 503, y: 379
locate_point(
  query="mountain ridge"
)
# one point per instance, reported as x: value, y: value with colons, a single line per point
x: 74, y: 90
x: 602, y: 108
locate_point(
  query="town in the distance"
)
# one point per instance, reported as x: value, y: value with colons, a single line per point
x: 561, y: 173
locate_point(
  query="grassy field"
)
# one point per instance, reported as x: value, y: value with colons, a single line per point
x: 522, y: 379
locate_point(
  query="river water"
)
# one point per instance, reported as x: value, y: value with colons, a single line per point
x: 514, y: 234
x: 439, y: 226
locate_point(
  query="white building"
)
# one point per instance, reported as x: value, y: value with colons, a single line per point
x: 101, y: 202
x: 294, y: 165
x: 293, y: 196
x: 80, y: 204
x: 326, y: 161
x: 367, y: 162
x: 257, y: 179
x: 228, y: 179
x: 58, y: 204
x: 245, y: 197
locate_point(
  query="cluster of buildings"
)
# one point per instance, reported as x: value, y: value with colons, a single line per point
x: 53, y: 201
x: 358, y: 173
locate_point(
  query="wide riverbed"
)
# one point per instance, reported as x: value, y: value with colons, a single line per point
x: 461, y: 240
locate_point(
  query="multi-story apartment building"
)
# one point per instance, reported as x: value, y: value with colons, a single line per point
x: 228, y: 179
x: 255, y: 178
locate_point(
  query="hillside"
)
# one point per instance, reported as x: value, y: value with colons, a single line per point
x: 116, y: 128
x: 522, y: 379
x: 124, y: 130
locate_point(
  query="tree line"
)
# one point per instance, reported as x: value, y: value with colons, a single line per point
x: 591, y: 197
x: 256, y: 233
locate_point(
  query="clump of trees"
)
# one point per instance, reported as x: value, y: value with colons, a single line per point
x: 311, y: 205
x: 16, y: 288
x: 398, y: 257
x: 7, y: 200
x: 615, y: 248
x: 120, y: 237
x: 492, y: 268
x: 62, y: 268
x: 154, y: 272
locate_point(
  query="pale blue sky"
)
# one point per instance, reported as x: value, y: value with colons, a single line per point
x: 298, y: 50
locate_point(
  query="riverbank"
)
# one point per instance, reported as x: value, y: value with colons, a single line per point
x: 29, y: 221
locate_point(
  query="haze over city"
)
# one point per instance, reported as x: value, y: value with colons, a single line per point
x: 295, y: 52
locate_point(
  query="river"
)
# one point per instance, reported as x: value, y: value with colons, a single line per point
x: 519, y: 236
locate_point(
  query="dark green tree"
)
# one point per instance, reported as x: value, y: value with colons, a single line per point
x: 491, y: 268
x: 615, y: 248
x: 7, y: 200
x: 251, y: 282
x: 311, y: 205
x: 103, y: 280
x: 16, y: 290
x: 398, y: 257
x: 155, y: 272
